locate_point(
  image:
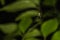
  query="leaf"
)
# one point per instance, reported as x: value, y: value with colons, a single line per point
x: 33, y: 33
x: 49, y: 2
x: 34, y: 1
x: 24, y: 24
x: 29, y: 14
x: 38, y: 20
x: 32, y: 39
x: 2, y: 2
x: 56, y: 36
x: 18, y: 5
x: 8, y: 28
x: 49, y: 26
x: 18, y: 33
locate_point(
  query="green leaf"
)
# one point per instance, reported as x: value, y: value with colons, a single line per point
x: 8, y: 28
x: 2, y: 2
x: 32, y: 39
x: 56, y: 36
x: 29, y: 14
x: 49, y: 26
x: 38, y: 20
x: 18, y: 33
x: 49, y: 2
x: 34, y: 1
x: 18, y: 5
x: 33, y: 33
x: 24, y: 24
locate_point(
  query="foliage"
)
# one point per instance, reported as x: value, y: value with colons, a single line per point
x: 31, y: 20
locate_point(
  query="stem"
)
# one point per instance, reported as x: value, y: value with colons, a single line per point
x: 30, y: 30
x: 33, y: 27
